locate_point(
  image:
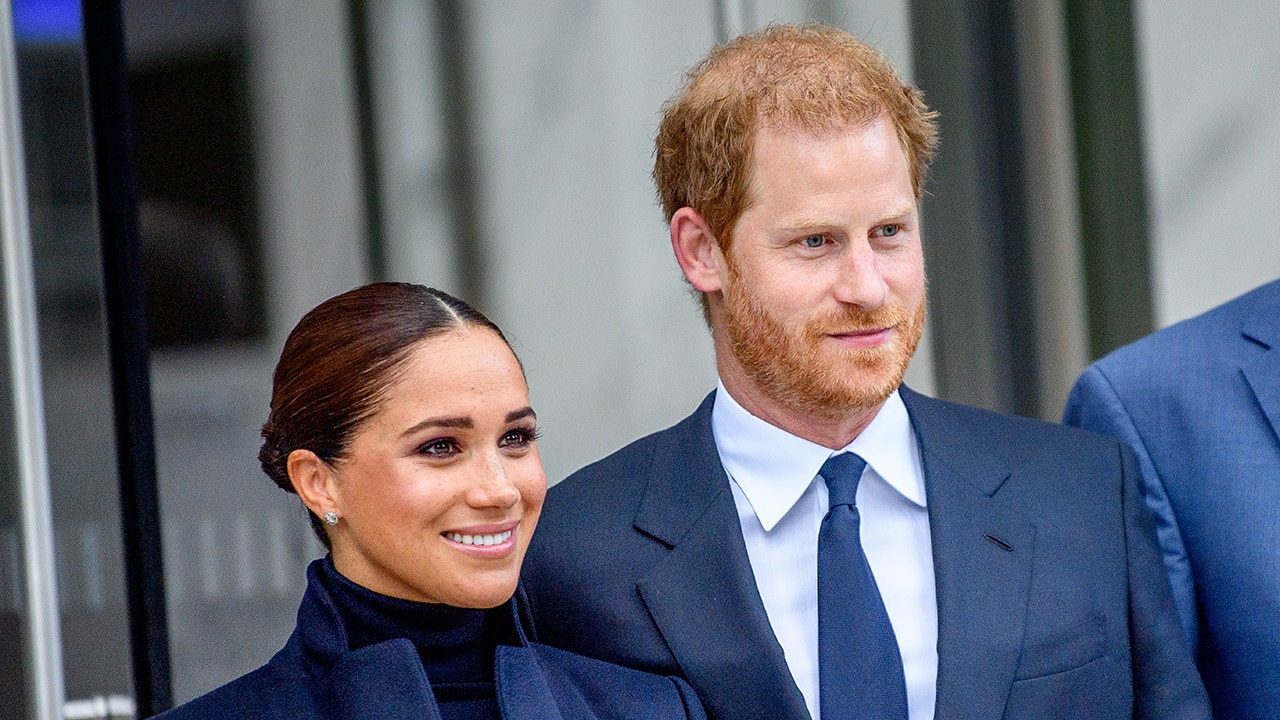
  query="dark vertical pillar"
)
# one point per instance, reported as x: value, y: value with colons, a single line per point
x: 117, y: 199
x: 996, y: 34
x: 1109, y: 161
x: 367, y: 129
x: 460, y: 153
x: 975, y: 209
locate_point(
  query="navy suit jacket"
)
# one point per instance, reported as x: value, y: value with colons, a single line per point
x: 1199, y: 402
x: 316, y: 676
x: 1052, y: 601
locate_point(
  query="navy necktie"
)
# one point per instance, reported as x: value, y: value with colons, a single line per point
x: 859, y: 666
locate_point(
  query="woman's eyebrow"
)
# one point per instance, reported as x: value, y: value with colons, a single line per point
x: 446, y: 422
x: 523, y: 412
x: 465, y: 422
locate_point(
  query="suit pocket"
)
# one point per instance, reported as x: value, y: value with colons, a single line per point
x: 1101, y: 688
x: 1062, y: 650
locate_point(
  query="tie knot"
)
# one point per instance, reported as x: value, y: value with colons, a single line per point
x: 842, y: 473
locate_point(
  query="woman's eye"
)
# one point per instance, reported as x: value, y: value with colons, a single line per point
x: 518, y: 438
x: 443, y: 447
x: 814, y: 241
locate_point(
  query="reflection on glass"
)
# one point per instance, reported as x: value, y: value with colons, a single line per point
x: 234, y: 545
x: 73, y: 360
x: 14, y: 689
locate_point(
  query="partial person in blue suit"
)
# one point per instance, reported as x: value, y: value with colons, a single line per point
x: 815, y: 540
x: 1199, y: 402
x: 400, y: 416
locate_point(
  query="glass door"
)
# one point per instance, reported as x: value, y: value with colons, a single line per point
x: 62, y: 599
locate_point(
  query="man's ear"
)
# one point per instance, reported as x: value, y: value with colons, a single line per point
x: 312, y: 479
x: 697, y: 250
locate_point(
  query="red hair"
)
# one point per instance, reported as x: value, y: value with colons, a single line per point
x: 814, y: 78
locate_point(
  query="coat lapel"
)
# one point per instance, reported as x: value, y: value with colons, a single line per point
x: 982, y: 555
x: 382, y: 680
x: 703, y: 595
x: 1262, y: 370
x: 522, y: 690
x: 385, y: 680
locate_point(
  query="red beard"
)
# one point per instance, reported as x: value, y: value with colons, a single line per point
x: 800, y: 368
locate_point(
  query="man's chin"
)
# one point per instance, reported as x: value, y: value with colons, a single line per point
x: 854, y: 390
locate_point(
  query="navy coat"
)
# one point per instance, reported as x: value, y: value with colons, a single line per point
x: 1052, y: 601
x: 316, y: 676
x: 1200, y: 404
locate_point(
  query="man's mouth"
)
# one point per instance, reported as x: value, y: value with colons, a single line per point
x: 862, y: 336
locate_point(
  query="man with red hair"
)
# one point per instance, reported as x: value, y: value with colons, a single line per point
x: 817, y: 540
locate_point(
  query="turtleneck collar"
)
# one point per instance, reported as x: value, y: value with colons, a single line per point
x: 456, y: 644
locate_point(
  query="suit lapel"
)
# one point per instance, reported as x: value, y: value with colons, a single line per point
x: 1262, y: 370
x: 982, y: 553
x: 703, y: 595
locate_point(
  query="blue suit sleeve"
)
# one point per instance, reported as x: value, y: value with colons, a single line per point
x: 692, y: 705
x: 1094, y: 405
x: 1166, y: 684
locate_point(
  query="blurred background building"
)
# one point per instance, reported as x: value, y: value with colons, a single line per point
x: 1107, y: 168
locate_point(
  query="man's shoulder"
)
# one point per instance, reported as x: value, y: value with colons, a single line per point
x: 974, y: 428
x: 626, y: 470
x: 959, y: 440
x: 1197, y: 341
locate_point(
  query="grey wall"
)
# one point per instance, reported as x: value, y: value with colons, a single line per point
x: 1209, y: 76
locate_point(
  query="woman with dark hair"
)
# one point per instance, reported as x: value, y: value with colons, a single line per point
x: 401, y: 418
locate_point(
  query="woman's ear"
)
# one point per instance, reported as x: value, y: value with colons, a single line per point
x: 312, y: 479
x: 697, y: 251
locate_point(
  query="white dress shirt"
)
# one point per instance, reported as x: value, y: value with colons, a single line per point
x: 781, y: 501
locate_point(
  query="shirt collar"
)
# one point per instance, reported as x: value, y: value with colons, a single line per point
x: 773, y: 468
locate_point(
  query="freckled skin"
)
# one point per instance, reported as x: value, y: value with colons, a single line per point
x: 404, y: 483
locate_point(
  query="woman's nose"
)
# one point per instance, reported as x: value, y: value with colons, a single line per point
x: 493, y: 488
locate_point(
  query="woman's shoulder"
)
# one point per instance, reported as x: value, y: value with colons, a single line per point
x: 589, y: 688
x: 272, y: 692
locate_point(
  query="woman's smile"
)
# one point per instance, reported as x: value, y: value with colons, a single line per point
x: 485, y: 540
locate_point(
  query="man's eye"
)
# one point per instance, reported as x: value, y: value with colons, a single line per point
x: 814, y: 241
x: 889, y: 230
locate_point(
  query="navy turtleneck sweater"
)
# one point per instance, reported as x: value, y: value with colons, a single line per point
x: 456, y: 644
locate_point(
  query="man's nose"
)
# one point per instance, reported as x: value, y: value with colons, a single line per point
x: 859, y: 281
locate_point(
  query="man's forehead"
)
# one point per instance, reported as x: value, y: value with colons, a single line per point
x: 779, y: 121
x: 823, y: 130
x: 785, y: 154
x: 779, y: 141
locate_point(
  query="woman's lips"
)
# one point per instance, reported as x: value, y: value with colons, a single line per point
x: 494, y: 540
x: 485, y: 539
